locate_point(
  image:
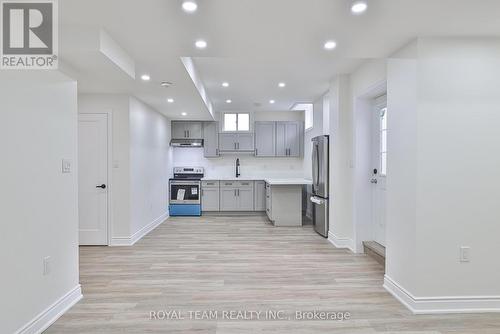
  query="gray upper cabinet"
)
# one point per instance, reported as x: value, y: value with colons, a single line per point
x: 187, y: 130
x: 227, y: 142
x: 265, y: 139
x: 236, y: 142
x: 211, y: 139
x: 245, y: 141
x: 288, y: 139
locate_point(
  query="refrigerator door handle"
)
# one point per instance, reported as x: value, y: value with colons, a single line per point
x: 317, y: 200
x: 314, y: 165
x: 317, y: 166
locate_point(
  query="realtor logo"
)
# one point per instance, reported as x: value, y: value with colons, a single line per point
x: 29, y: 38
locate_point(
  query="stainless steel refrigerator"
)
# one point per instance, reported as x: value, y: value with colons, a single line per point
x: 320, y: 187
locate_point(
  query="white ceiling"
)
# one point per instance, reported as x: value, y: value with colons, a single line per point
x: 252, y: 44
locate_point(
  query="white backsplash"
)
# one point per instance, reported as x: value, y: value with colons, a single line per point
x: 252, y: 167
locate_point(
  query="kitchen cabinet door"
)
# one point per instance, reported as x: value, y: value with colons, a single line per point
x: 228, y: 199
x: 292, y: 138
x: 245, y: 142
x: 211, y: 139
x: 260, y: 196
x: 227, y: 141
x: 245, y: 199
x: 269, y: 204
x: 265, y: 139
x: 179, y: 130
x: 281, y: 149
x: 194, y: 130
x: 210, y: 199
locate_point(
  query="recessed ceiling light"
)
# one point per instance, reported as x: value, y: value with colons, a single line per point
x: 330, y: 45
x: 170, y: 100
x: 200, y: 44
x: 359, y: 7
x: 225, y: 84
x: 184, y: 114
x: 189, y: 6
x: 145, y: 77
x: 166, y: 84
x: 272, y: 101
x: 229, y: 101
x: 281, y: 84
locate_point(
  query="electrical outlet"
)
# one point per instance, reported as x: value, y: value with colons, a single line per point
x: 46, y: 265
x: 464, y: 254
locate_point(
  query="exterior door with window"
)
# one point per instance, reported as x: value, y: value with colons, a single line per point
x: 379, y: 163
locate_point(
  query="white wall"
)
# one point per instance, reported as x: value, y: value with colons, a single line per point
x: 251, y: 166
x: 447, y: 101
x: 38, y: 204
x: 118, y: 105
x: 150, y: 166
x: 341, y: 161
x: 317, y: 130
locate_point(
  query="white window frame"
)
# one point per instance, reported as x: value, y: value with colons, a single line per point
x: 223, y: 119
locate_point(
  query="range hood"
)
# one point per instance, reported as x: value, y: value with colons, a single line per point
x: 186, y: 143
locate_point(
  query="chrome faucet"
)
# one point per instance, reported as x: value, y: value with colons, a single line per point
x: 238, y: 168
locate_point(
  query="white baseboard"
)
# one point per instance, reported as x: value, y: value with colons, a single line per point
x: 43, y: 320
x: 341, y: 242
x: 129, y: 241
x: 440, y: 305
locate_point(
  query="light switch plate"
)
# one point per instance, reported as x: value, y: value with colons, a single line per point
x: 66, y: 166
x: 46, y: 265
x: 464, y: 254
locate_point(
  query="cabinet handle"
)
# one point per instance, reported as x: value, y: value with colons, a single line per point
x: 256, y: 152
x: 238, y: 193
x: 189, y: 134
x: 216, y: 151
x: 234, y: 192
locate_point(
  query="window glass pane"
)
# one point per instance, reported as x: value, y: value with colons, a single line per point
x: 383, y: 163
x: 229, y: 122
x: 243, y: 122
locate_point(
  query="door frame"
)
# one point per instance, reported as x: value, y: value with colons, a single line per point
x: 377, y: 104
x: 109, y: 197
x: 362, y: 134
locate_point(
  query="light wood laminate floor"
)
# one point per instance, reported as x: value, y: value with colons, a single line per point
x: 241, y: 264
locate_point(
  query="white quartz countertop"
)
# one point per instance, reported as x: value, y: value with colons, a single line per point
x: 288, y: 182
x: 271, y: 181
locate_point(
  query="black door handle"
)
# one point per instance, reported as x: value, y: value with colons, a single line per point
x: 102, y: 186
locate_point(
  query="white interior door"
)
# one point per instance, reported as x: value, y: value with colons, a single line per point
x: 379, y: 163
x: 93, y: 179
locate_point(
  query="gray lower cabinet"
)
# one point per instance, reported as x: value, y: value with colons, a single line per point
x: 265, y: 139
x: 228, y: 197
x: 187, y: 130
x: 211, y: 139
x: 260, y: 196
x: 210, y: 196
x: 236, y: 142
x: 288, y: 139
x: 236, y: 196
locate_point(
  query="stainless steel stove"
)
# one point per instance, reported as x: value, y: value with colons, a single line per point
x: 185, y: 191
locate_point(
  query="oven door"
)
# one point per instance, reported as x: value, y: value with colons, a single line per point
x: 185, y: 192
